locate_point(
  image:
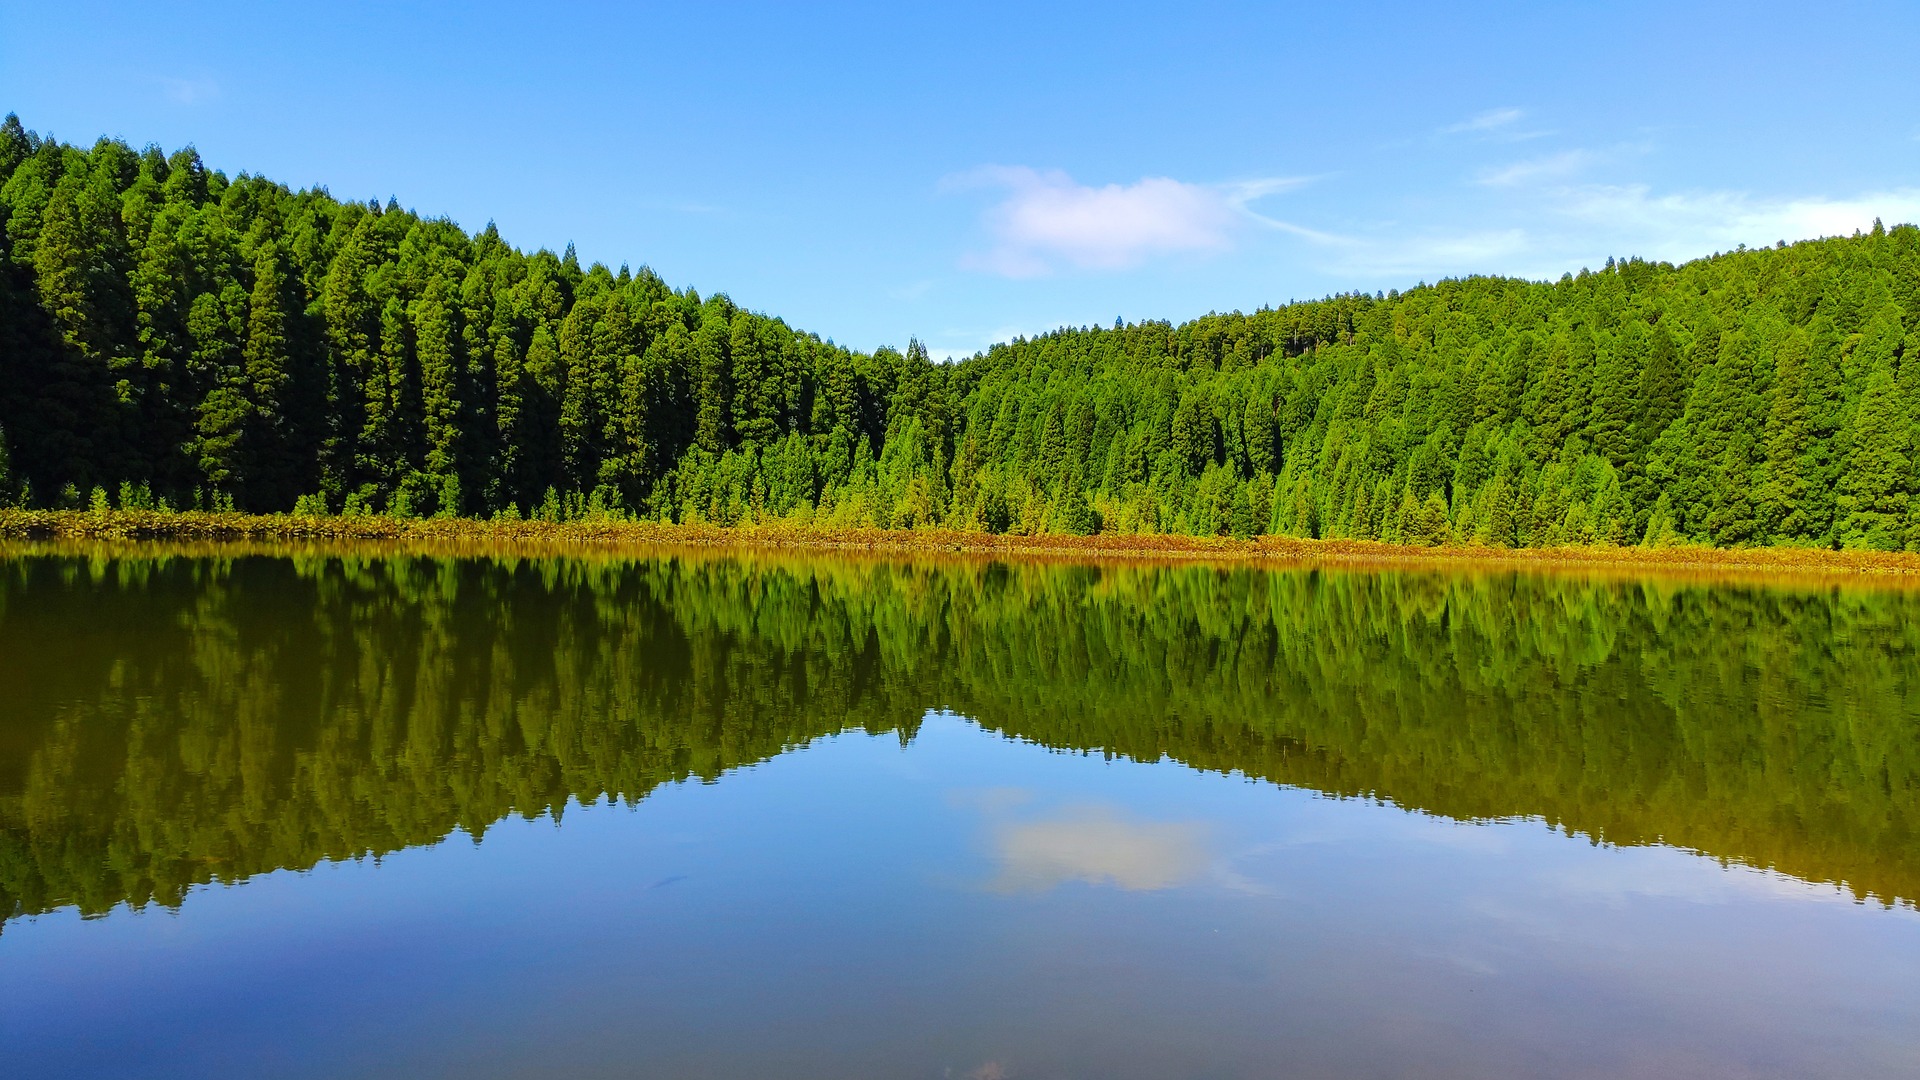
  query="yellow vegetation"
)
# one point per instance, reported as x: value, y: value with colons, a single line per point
x: 456, y: 535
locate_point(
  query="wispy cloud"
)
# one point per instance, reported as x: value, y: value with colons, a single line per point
x: 1491, y: 120
x: 1502, y: 124
x: 1689, y: 224
x: 1429, y: 252
x: 1552, y: 166
x: 1573, y: 225
x: 1047, y: 220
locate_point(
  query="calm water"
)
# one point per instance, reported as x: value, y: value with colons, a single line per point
x: 707, y: 817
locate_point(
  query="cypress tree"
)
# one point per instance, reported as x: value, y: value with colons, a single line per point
x: 508, y: 480
x: 268, y: 457
x: 713, y: 385
x: 216, y: 323
x: 1873, y: 493
x: 1547, y: 405
x: 159, y: 287
x: 630, y: 466
x: 756, y: 401
x: 1663, y: 387
x: 74, y: 268
x: 1782, y: 491
x: 9, y: 484
x: 435, y: 341
x: 1726, y: 430
x: 579, y: 426
x: 384, y: 439
x: 1257, y: 434
x: 1615, y: 400
x: 540, y: 411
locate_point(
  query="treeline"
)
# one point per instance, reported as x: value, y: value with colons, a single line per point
x: 230, y: 716
x: 172, y: 336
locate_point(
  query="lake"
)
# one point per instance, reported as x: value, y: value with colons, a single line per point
x: 671, y: 814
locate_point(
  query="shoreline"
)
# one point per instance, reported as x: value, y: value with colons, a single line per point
x: 264, y: 532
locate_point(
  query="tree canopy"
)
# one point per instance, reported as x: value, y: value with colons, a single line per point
x: 171, y: 335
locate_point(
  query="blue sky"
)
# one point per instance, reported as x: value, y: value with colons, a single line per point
x: 966, y: 173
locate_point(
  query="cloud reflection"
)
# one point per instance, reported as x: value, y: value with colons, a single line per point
x: 1098, y: 846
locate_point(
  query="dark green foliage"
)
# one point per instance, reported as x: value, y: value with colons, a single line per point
x: 168, y: 330
x: 7, y: 493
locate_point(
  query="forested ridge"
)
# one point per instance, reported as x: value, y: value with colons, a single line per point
x: 172, y: 336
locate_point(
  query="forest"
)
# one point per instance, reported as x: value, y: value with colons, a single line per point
x: 171, y: 337
x: 234, y: 714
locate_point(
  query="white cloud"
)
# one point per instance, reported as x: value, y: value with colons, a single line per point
x: 1688, y: 225
x: 1047, y: 220
x: 1099, y: 847
x: 1490, y: 120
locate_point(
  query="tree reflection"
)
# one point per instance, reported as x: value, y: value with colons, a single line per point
x: 170, y: 721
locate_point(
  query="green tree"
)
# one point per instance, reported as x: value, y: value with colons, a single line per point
x: 1873, y: 493
x: 270, y: 460
x: 436, y: 340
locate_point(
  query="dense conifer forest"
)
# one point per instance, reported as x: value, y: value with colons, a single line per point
x: 172, y: 336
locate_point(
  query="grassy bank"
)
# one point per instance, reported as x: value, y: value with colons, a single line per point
x: 269, y: 530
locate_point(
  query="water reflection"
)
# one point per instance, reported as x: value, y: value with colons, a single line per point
x: 166, y: 722
x: 1098, y: 845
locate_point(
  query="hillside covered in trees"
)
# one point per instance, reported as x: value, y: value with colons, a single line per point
x: 171, y: 335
